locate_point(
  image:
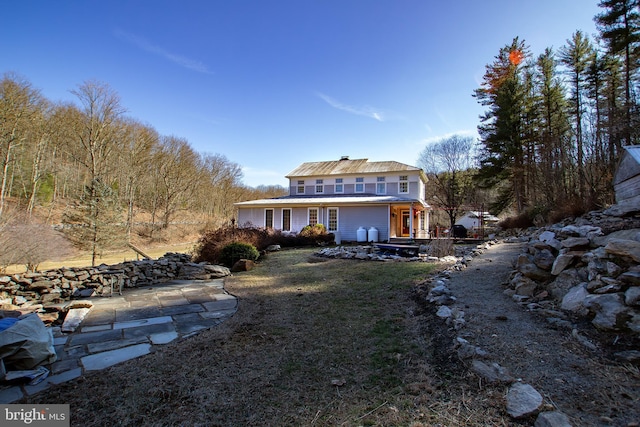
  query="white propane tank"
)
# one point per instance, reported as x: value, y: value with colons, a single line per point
x: 361, y: 234
x: 373, y: 235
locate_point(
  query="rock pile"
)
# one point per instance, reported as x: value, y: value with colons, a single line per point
x: 522, y: 400
x: 38, y: 290
x: 588, y: 267
x: 463, y: 254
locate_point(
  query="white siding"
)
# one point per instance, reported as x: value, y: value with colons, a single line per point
x: 254, y: 216
x: 353, y: 217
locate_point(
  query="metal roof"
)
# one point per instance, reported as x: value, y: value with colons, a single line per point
x: 634, y: 151
x: 345, y: 166
x: 330, y: 200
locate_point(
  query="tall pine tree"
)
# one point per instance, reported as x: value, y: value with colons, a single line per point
x: 619, y: 27
x: 502, y: 157
x: 576, y: 56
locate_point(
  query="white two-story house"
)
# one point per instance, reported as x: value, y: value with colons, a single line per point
x: 347, y: 195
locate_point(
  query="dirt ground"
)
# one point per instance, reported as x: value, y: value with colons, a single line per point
x: 585, y: 384
x: 349, y: 343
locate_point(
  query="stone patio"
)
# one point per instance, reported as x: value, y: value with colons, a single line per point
x: 120, y: 328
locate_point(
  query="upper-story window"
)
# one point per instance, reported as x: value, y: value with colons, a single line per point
x: 360, y: 185
x: 319, y: 186
x: 339, y: 186
x: 381, y: 185
x: 403, y: 185
x: 300, y: 187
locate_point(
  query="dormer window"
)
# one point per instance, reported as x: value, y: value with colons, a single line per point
x: 339, y: 186
x: 300, y: 187
x: 319, y: 186
x: 360, y: 185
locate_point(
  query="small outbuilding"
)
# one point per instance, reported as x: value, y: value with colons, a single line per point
x: 626, y: 181
x: 475, y: 220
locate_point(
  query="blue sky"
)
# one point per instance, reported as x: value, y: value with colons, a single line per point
x: 272, y: 84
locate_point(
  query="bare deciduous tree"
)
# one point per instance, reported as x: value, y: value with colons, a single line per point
x: 25, y: 242
x: 448, y: 164
x: 19, y: 103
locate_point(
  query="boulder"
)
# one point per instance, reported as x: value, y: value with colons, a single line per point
x: 624, y: 208
x: 575, y: 242
x: 588, y: 231
x: 630, y: 277
x: 41, y: 285
x: 565, y: 281
x: 547, y: 236
x: 523, y: 400
x: 632, y: 296
x: 610, y: 311
x: 625, y: 234
x: 552, y: 419
x: 633, y: 324
x: 216, y: 271
x: 574, y: 299
x: 624, y: 248
x: 243, y: 265
x: 613, y: 269
x: 532, y: 271
x: 561, y: 262
x: 544, y: 259
x: 444, y: 312
x: 492, y: 374
x: 525, y: 287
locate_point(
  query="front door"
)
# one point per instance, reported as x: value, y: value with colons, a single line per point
x: 405, y: 225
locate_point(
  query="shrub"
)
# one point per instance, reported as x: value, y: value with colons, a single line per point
x: 315, y: 235
x: 313, y: 230
x: 569, y: 209
x: 440, y: 248
x: 30, y: 243
x: 522, y: 220
x: 233, y: 252
x: 212, y: 242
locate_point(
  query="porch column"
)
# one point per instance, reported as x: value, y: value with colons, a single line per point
x: 426, y: 218
x: 411, y: 233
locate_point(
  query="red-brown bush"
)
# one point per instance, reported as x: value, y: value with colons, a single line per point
x: 211, y: 242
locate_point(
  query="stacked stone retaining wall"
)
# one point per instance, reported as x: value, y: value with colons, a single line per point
x: 62, y: 284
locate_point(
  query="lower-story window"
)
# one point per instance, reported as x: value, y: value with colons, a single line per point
x: 313, y: 216
x: 286, y: 219
x: 268, y: 218
x: 332, y: 220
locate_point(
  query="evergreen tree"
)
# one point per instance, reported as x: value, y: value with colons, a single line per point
x: 501, y: 131
x: 619, y: 26
x: 94, y: 223
x: 552, y: 130
x: 576, y: 56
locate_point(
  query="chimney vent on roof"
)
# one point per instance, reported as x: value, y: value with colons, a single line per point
x: 344, y: 158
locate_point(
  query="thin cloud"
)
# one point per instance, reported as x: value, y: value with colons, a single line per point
x: 147, y: 46
x: 254, y: 177
x: 439, y: 138
x: 365, y: 111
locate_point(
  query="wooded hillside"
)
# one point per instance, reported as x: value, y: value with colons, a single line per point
x: 103, y: 171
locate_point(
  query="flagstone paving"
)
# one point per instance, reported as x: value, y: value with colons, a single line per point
x: 123, y: 327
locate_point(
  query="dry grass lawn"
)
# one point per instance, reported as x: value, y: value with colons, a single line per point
x: 314, y: 342
x: 83, y: 259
